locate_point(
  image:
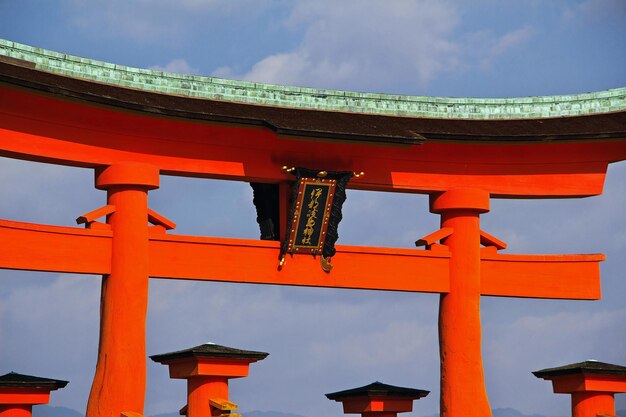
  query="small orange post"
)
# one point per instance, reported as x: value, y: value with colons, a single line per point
x: 591, y: 384
x: 207, y: 369
x: 377, y: 400
x: 463, y: 390
x: 18, y: 393
x: 120, y: 379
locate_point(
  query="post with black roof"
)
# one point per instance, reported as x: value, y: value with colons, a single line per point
x: 18, y: 393
x: 207, y: 369
x: 378, y: 399
x: 592, y: 385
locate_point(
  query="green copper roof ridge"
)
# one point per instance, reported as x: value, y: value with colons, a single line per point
x: 204, y: 87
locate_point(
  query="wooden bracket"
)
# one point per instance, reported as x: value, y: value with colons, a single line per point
x: 89, y: 219
x: 225, y: 406
x: 130, y: 414
x: 488, y: 240
x: 430, y: 241
x: 222, y: 404
x: 492, y: 244
x: 160, y: 223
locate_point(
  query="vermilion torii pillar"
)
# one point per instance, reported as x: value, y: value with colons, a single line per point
x: 460, y: 339
x: 120, y: 380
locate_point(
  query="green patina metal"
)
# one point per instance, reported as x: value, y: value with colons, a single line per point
x: 319, y: 99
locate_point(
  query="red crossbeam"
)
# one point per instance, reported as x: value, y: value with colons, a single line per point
x: 66, y: 249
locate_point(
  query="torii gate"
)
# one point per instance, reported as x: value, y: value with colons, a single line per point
x: 66, y: 110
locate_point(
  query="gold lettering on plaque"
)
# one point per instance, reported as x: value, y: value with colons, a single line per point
x: 311, y: 216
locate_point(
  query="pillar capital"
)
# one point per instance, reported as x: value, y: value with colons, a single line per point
x: 207, y: 369
x: 588, y: 376
x: 592, y: 385
x: 18, y: 393
x: 460, y: 199
x: 377, y: 399
x: 128, y: 173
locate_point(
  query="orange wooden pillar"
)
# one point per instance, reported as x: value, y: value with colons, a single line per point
x: 591, y: 384
x: 207, y: 369
x: 120, y: 378
x: 18, y: 393
x: 462, y: 380
x: 378, y: 400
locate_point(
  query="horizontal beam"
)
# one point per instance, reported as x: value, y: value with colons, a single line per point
x: 255, y: 261
x: 43, y: 128
x: 542, y: 276
x: 28, y: 246
x: 38, y: 247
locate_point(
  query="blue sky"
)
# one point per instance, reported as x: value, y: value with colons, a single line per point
x: 324, y: 340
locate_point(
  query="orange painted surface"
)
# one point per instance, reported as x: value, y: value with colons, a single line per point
x: 56, y: 249
x: 24, y: 396
x: 131, y: 174
x: 462, y: 379
x: 207, y: 379
x: 68, y: 249
x: 188, y: 367
x: 375, y: 405
x: 120, y: 378
x: 592, y: 404
x: 541, y: 276
x: 8, y: 410
x: 43, y: 128
x: 606, y: 383
x: 592, y: 393
x: 567, y: 384
x: 200, y: 390
x: 219, y: 259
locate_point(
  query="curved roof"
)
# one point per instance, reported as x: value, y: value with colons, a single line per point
x: 318, y: 99
x: 15, y: 380
x: 214, y: 128
x: 586, y: 367
x: 210, y: 350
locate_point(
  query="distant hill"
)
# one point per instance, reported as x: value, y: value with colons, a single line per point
x: 47, y: 411
x: 269, y: 414
x: 510, y: 412
x: 507, y: 412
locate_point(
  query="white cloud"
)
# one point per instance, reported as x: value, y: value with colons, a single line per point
x: 597, y: 10
x: 151, y: 20
x: 178, y: 65
x: 511, y: 40
x: 361, y: 43
x: 378, y: 46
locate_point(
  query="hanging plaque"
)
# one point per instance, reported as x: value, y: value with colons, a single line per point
x: 317, y: 198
